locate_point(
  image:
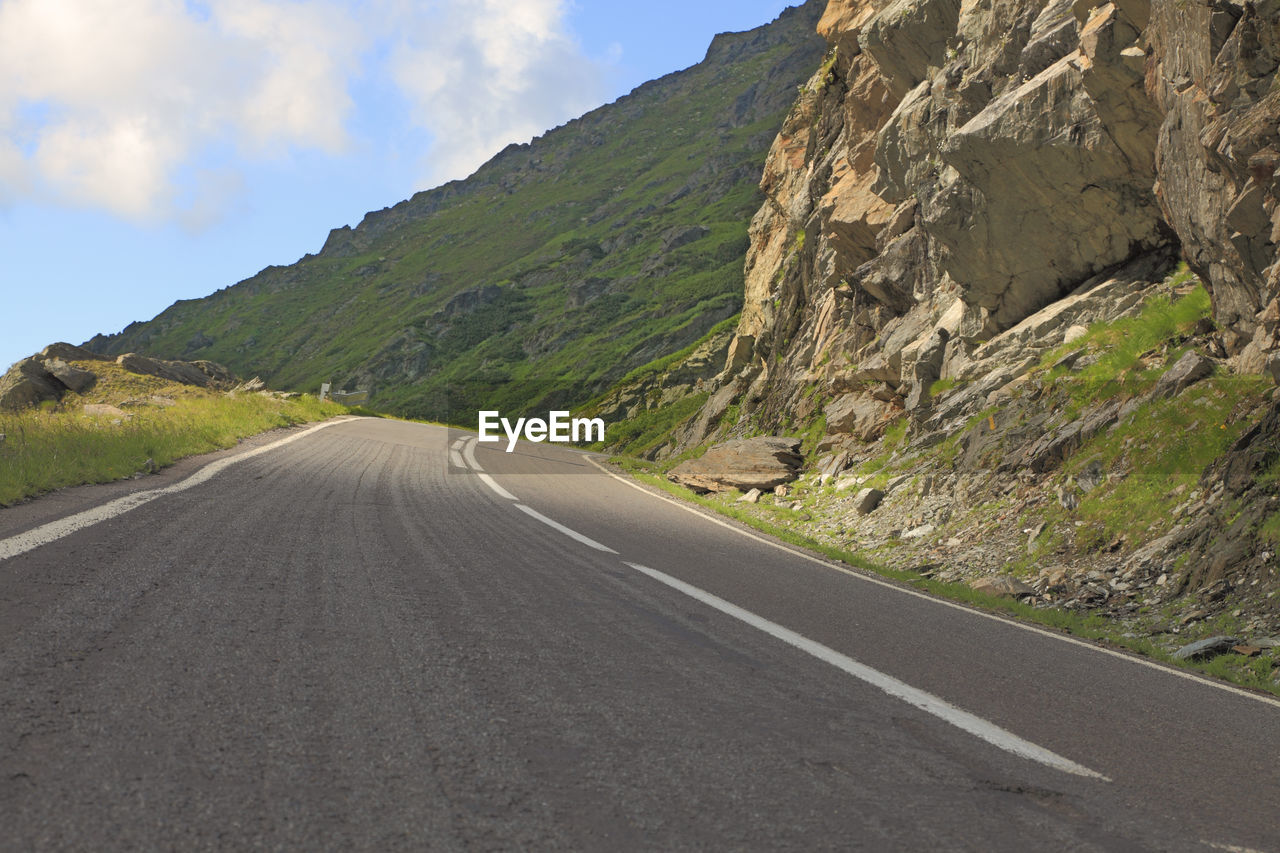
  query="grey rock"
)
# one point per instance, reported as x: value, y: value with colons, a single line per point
x: 867, y: 500
x: 751, y: 497
x: 1047, y: 453
x: 1273, y: 367
x: 1186, y: 371
x: 1204, y: 648
x: 70, y: 352
x: 28, y: 383
x: 833, y: 467
x: 760, y: 463
x: 860, y: 415
x: 1002, y: 586
x: 1090, y: 477
x: 73, y: 377
x: 184, y: 373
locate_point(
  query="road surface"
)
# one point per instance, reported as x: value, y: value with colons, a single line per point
x: 380, y: 635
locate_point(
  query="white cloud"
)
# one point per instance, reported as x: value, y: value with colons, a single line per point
x: 484, y: 73
x: 107, y: 100
x: 107, y: 105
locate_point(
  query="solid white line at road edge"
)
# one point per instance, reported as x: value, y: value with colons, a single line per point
x: 54, y: 530
x: 994, y: 617
x: 927, y: 702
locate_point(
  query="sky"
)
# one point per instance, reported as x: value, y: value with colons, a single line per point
x: 157, y: 150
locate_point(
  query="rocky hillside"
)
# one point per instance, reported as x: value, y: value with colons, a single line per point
x: 549, y: 274
x: 963, y: 293
x: 951, y: 170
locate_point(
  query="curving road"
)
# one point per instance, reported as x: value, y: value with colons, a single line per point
x: 380, y: 635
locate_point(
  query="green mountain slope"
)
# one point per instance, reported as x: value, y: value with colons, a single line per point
x: 551, y: 272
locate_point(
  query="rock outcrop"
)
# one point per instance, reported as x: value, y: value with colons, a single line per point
x: 48, y: 376
x: 751, y: 463
x: 201, y: 374
x: 1211, y: 69
x: 954, y: 169
x: 28, y: 383
x: 965, y: 207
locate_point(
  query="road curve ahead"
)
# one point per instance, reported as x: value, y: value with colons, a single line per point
x: 382, y: 635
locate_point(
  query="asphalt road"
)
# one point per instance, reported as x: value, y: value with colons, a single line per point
x: 380, y: 636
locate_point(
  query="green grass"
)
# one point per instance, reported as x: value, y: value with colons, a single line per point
x: 1161, y: 450
x: 47, y: 450
x: 1122, y: 344
x: 639, y: 435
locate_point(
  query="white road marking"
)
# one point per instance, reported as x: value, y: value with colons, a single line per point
x: 927, y: 702
x: 54, y: 530
x: 457, y: 445
x: 572, y: 534
x: 493, y: 484
x: 1035, y: 629
x: 456, y: 458
x: 469, y: 451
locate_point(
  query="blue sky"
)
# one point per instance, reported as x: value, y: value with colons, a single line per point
x: 156, y: 150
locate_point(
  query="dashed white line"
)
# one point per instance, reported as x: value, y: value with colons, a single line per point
x: 572, y: 534
x: 54, y: 530
x: 456, y: 458
x: 493, y: 484
x: 927, y: 702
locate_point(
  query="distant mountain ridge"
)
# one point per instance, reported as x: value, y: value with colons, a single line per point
x: 555, y: 269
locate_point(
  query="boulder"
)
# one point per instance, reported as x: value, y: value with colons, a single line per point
x: 1001, y: 586
x: 860, y: 415
x: 867, y: 500
x: 28, y: 383
x: 220, y: 375
x: 70, y: 352
x: 1186, y: 371
x: 73, y: 377
x: 749, y: 463
x: 181, y: 372
x: 833, y: 466
x: 1205, y: 648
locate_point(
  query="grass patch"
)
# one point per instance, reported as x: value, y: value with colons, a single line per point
x: 1123, y: 343
x: 649, y: 429
x: 45, y: 450
x: 1159, y: 454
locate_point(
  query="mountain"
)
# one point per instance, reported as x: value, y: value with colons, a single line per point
x: 551, y: 272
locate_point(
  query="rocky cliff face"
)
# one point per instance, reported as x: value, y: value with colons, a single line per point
x: 955, y: 167
x: 964, y: 290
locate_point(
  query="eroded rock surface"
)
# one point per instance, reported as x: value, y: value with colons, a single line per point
x: 955, y: 169
x: 752, y: 463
